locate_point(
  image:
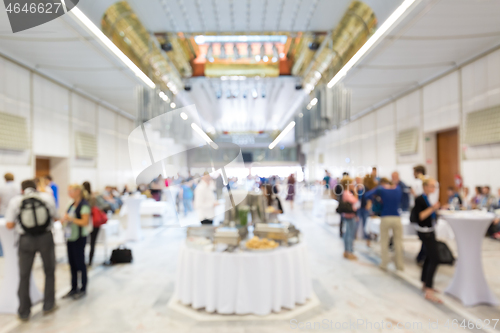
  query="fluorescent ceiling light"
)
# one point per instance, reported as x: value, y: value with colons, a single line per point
x: 111, y: 46
x: 172, y: 105
x: 184, y: 116
x: 204, y: 136
x: 282, y: 135
x: 373, y: 39
x: 314, y: 101
x: 203, y: 39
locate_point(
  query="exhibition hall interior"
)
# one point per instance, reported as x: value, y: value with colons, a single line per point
x: 249, y: 166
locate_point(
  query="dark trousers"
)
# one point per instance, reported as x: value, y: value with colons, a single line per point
x: 76, y: 258
x: 93, y: 238
x: 206, y: 221
x: 422, y: 254
x: 28, y: 247
x: 431, y: 259
x: 341, y: 226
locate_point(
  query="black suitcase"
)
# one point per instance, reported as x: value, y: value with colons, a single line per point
x: 445, y: 255
x: 121, y: 255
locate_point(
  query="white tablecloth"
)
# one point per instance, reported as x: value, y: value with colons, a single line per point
x: 244, y: 282
x: 469, y: 284
x: 9, y: 302
x: 148, y: 207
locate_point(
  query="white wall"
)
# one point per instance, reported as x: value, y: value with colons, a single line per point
x: 54, y: 114
x: 440, y: 105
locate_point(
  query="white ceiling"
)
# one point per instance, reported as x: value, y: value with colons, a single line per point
x: 434, y: 38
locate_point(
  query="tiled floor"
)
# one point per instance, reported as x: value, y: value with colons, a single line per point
x: 134, y: 298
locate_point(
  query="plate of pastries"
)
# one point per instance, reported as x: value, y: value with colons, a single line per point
x: 261, y: 244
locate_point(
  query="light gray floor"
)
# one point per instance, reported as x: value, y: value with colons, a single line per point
x: 134, y: 298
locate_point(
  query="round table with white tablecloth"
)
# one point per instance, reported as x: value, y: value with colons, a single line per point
x: 469, y: 284
x: 244, y: 282
x: 9, y: 302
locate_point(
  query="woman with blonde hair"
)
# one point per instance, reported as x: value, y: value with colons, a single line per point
x: 77, y: 223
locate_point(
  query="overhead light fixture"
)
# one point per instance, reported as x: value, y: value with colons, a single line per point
x: 301, y: 115
x: 265, y: 58
x: 111, y: 46
x: 172, y: 105
x: 236, y: 54
x: 257, y: 57
x: 203, y: 39
x: 204, y: 136
x: 254, y: 93
x: 282, y: 135
x: 371, y: 42
x: 184, y: 116
x: 222, y: 51
x: 163, y: 96
x: 210, y: 53
x: 314, y: 101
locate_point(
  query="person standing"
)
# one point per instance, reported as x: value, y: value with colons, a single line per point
x: 204, y: 199
x: 186, y: 193
x: 76, y: 222
x: 55, y: 190
x: 425, y: 214
x: 8, y: 191
x: 349, y: 196
x: 390, y: 220
x: 32, y: 214
x: 364, y: 210
x: 99, y: 218
x: 417, y: 190
x: 290, y: 189
x: 405, y: 191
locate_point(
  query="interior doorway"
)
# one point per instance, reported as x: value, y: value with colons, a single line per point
x: 447, y: 161
x: 42, y: 167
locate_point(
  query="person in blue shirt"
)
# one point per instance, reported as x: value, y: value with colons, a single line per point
x: 53, y: 186
x: 187, y: 196
x: 452, y: 194
x: 390, y: 220
x: 405, y: 192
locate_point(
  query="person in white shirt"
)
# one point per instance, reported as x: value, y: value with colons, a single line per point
x: 204, y: 199
x: 32, y: 214
x: 7, y: 192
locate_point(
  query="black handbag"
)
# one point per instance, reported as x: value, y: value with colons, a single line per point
x: 344, y: 207
x: 121, y: 255
x: 445, y: 255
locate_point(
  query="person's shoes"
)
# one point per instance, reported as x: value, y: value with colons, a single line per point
x: 51, y: 310
x: 79, y: 294
x: 70, y: 294
x: 24, y: 319
x: 351, y: 256
x: 346, y: 255
x: 368, y: 243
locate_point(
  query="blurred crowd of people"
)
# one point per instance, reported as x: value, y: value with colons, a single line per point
x: 388, y: 198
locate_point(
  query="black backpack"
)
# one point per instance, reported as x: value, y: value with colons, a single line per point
x: 34, y: 215
x: 414, y: 218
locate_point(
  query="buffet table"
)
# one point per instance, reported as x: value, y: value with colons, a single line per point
x: 244, y: 282
x: 469, y: 284
x: 9, y: 302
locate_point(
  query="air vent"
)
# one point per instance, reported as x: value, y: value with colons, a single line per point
x: 407, y: 141
x: 13, y: 132
x: 86, y: 145
x: 483, y: 127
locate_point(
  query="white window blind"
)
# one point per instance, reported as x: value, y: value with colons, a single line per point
x: 86, y: 145
x: 13, y: 132
x: 483, y: 127
x: 407, y: 141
